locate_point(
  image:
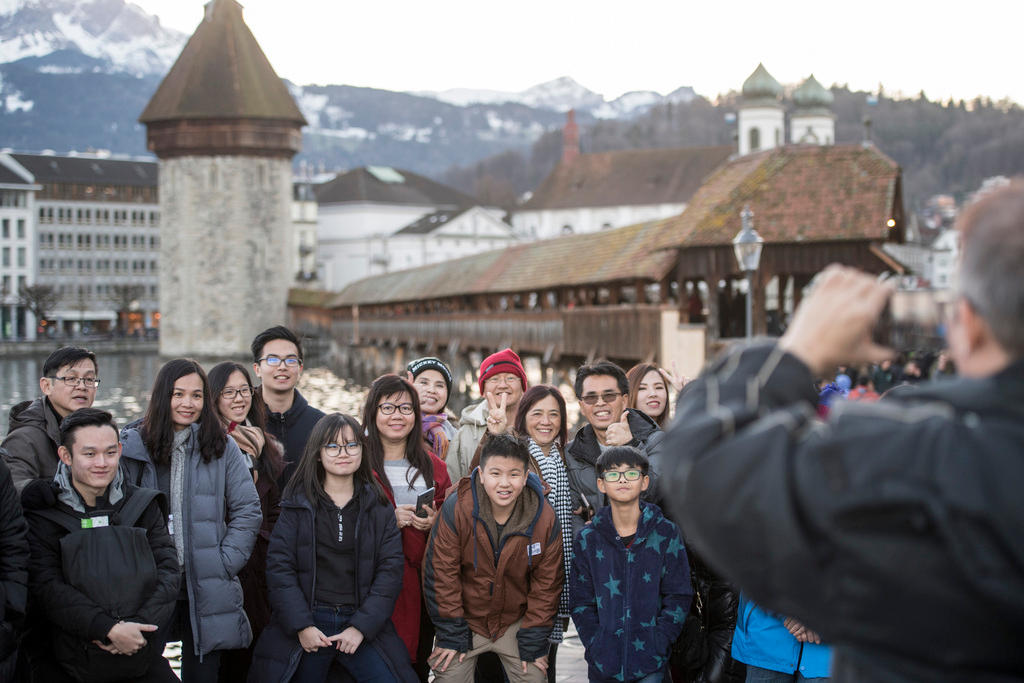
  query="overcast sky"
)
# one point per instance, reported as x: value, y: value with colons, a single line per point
x: 959, y: 49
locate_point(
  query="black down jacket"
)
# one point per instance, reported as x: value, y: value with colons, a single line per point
x: 893, y: 529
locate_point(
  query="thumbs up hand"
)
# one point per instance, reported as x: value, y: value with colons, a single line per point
x: 618, y: 433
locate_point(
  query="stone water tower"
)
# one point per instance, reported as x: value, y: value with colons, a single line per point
x: 225, y: 128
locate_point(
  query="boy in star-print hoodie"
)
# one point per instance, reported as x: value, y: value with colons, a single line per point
x: 630, y: 581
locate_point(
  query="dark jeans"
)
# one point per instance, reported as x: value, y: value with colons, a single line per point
x: 365, y: 664
x: 756, y: 674
x: 192, y: 669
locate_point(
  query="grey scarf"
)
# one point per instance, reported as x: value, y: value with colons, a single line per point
x: 179, y: 460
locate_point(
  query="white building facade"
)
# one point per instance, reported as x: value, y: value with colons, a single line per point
x: 17, y: 248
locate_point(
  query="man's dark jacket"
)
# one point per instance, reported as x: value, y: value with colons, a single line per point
x: 893, y: 530
x: 33, y: 436
x: 13, y: 571
x: 292, y: 429
x: 581, y: 464
x: 62, y: 605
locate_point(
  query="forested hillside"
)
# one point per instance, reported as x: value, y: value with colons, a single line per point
x: 943, y: 147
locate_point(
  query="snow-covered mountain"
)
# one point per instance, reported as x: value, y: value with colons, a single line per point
x: 116, y: 35
x: 563, y: 94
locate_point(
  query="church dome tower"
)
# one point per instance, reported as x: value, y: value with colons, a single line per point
x: 813, y: 122
x: 225, y: 128
x: 761, y: 116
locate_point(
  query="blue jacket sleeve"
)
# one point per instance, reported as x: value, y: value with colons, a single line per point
x: 582, y: 595
x: 676, y: 588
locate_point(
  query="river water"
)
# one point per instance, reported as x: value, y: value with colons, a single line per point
x: 126, y: 380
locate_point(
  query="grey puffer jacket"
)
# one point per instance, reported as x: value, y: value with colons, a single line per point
x: 32, y: 438
x: 472, y: 427
x: 221, y: 519
x: 581, y: 462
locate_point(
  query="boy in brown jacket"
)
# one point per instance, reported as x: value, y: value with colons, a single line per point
x: 493, y: 573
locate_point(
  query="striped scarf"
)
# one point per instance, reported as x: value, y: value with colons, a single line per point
x: 552, y: 470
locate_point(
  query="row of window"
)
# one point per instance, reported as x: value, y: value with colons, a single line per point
x: 136, y: 194
x: 5, y: 285
x: 5, y: 257
x: 5, y: 231
x: 13, y: 198
x: 47, y: 214
x: 87, y: 267
x: 88, y: 291
x: 69, y: 240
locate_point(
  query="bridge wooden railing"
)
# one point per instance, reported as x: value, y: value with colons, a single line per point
x: 623, y: 332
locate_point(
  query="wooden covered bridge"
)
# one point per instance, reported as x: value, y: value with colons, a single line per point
x: 667, y: 290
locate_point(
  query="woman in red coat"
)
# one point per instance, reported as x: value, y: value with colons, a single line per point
x: 406, y: 469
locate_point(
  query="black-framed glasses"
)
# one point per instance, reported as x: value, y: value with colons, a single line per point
x: 390, y: 408
x: 244, y: 392
x: 606, y: 396
x: 613, y: 476
x: 274, y: 361
x: 87, y: 382
x: 352, y: 448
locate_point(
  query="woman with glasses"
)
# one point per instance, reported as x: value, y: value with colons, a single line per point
x: 180, y: 448
x: 334, y: 569
x: 243, y: 415
x: 406, y: 469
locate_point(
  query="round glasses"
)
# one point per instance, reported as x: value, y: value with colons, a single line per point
x: 629, y: 475
x: 390, y: 408
x: 335, y: 449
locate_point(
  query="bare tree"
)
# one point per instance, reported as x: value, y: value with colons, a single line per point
x: 125, y: 298
x: 39, y: 299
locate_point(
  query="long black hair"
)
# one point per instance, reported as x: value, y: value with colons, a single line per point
x: 309, y: 475
x: 270, y: 462
x: 157, y: 426
x: 415, y: 452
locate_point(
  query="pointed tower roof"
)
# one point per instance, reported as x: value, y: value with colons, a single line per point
x: 812, y: 98
x: 222, y: 96
x: 761, y: 89
x: 222, y: 73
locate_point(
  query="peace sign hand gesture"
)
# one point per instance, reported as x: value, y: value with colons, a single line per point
x: 497, y: 418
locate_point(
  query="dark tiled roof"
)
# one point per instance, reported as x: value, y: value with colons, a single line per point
x: 430, y: 222
x: 9, y: 177
x: 797, y: 193
x: 54, y: 169
x: 222, y: 74
x: 628, y: 178
x: 360, y: 185
x: 612, y: 255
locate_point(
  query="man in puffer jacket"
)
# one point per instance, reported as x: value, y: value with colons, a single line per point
x: 893, y: 530
x: 108, y: 620
x: 493, y: 574
x: 13, y: 572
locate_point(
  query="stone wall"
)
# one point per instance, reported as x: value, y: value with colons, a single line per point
x: 225, y: 260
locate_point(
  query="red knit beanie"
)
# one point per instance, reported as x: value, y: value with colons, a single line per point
x: 505, y: 360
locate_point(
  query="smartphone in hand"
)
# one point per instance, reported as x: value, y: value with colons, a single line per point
x: 424, y: 500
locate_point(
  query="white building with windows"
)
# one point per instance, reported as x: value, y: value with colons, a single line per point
x: 376, y: 219
x: 17, y: 247
x: 97, y: 236
x: 762, y: 118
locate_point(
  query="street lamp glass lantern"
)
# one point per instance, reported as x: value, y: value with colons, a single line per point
x: 748, y: 244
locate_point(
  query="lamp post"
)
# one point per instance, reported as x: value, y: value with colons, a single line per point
x: 748, y: 244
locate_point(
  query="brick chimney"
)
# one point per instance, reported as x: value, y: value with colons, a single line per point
x: 570, y: 138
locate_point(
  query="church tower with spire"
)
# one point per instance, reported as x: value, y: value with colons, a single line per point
x: 812, y: 122
x: 225, y: 129
x: 761, y: 115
